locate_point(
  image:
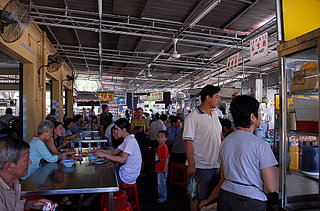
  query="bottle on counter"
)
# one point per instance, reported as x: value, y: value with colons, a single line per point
x: 294, y: 156
x: 79, y: 148
x: 89, y: 147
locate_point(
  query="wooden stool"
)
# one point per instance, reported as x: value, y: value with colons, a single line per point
x: 119, y: 205
x: 133, y: 194
x: 175, y: 179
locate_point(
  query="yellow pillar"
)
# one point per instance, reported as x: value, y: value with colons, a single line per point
x: 57, y: 102
x: 69, y: 101
x: 33, y: 98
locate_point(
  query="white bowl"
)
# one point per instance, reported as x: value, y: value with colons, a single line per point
x: 68, y: 163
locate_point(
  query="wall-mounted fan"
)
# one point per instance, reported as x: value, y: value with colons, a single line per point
x: 54, y: 63
x: 14, y: 19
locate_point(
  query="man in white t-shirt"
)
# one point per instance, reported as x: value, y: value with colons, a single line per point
x: 128, y: 153
x: 202, y: 134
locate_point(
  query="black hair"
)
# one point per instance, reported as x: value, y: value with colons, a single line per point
x: 174, y: 119
x: 123, y: 123
x: 94, y: 117
x: 67, y: 122
x: 9, y: 111
x: 77, y: 117
x: 104, y: 106
x: 225, y: 122
x: 163, y: 117
x: 53, y: 111
x: 209, y: 90
x: 139, y: 109
x: 164, y: 132
x: 56, y: 124
x: 157, y: 116
x: 241, y: 108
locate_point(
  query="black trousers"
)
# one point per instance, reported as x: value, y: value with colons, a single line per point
x: 228, y: 201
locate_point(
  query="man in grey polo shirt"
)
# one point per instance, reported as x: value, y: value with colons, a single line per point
x: 202, y: 135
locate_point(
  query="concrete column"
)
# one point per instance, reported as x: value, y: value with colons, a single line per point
x: 69, y: 101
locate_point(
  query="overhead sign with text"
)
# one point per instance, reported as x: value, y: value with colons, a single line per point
x: 105, y: 96
x: 156, y: 96
x: 259, y: 47
x: 232, y: 63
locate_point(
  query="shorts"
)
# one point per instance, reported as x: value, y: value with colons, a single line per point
x: 207, y: 180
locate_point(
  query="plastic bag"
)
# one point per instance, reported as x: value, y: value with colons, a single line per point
x: 192, y: 188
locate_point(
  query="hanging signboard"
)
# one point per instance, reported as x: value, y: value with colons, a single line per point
x: 259, y: 47
x: 299, y: 17
x: 232, y: 63
x: 143, y: 97
x: 157, y: 96
x: 105, y: 96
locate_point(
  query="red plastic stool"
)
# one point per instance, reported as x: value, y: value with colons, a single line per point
x: 175, y: 179
x: 121, y: 195
x: 119, y: 205
x: 32, y: 198
x: 133, y: 194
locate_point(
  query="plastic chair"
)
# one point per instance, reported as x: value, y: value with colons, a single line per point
x: 119, y: 205
x: 121, y: 195
x: 175, y: 179
x: 32, y: 198
x: 133, y: 194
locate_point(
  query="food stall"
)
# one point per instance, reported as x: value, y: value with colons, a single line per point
x: 299, y: 104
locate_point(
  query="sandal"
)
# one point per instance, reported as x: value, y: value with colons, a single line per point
x: 66, y: 203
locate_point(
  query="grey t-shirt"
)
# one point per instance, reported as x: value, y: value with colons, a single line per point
x: 243, y: 155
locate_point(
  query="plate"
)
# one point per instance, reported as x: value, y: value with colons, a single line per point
x: 99, y: 162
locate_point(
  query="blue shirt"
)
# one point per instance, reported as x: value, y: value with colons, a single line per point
x: 172, y: 133
x: 75, y: 128
x: 38, y: 151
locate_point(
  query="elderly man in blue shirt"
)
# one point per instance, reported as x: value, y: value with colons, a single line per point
x: 173, y: 130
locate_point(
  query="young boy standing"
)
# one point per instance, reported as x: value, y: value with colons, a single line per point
x: 162, y: 160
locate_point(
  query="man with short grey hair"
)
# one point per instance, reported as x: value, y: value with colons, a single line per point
x: 14, y: 163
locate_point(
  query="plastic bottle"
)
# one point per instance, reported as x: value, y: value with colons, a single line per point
x: 294, y: 156
x: 79, y: 148
x: 89, y: 147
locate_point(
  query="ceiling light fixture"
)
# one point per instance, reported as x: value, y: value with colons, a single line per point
x: 207, y: 9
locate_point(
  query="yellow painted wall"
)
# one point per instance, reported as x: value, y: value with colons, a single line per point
x: 35, y: 96
x: 300, y: 17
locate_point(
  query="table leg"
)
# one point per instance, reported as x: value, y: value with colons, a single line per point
x: 80, y: 202
x: 111, y: 201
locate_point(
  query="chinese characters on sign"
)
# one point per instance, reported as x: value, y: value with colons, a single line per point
x: 259, y: 47
x: 232, y: 63
x: 157, y: 96
x: 105, y: 96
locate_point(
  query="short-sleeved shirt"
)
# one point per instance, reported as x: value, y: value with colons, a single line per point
x: 172, y: 133
x: 243, y: 155
x: 66, y: 132
x: 143, y: 124
x: 130, y: 171
x: 155, y: 127
x: 10, y: 199
x: 205, y: 133
x: 75, y: 128
x: 161, y: 154
x: 38, y: 151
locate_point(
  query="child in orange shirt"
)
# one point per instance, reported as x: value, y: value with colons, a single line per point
x: 162, y: 160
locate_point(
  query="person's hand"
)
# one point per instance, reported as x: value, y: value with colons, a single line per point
x: 38, y: 204
x: 101, y: 154
x: 202, y: 203
x: 191, y: 171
